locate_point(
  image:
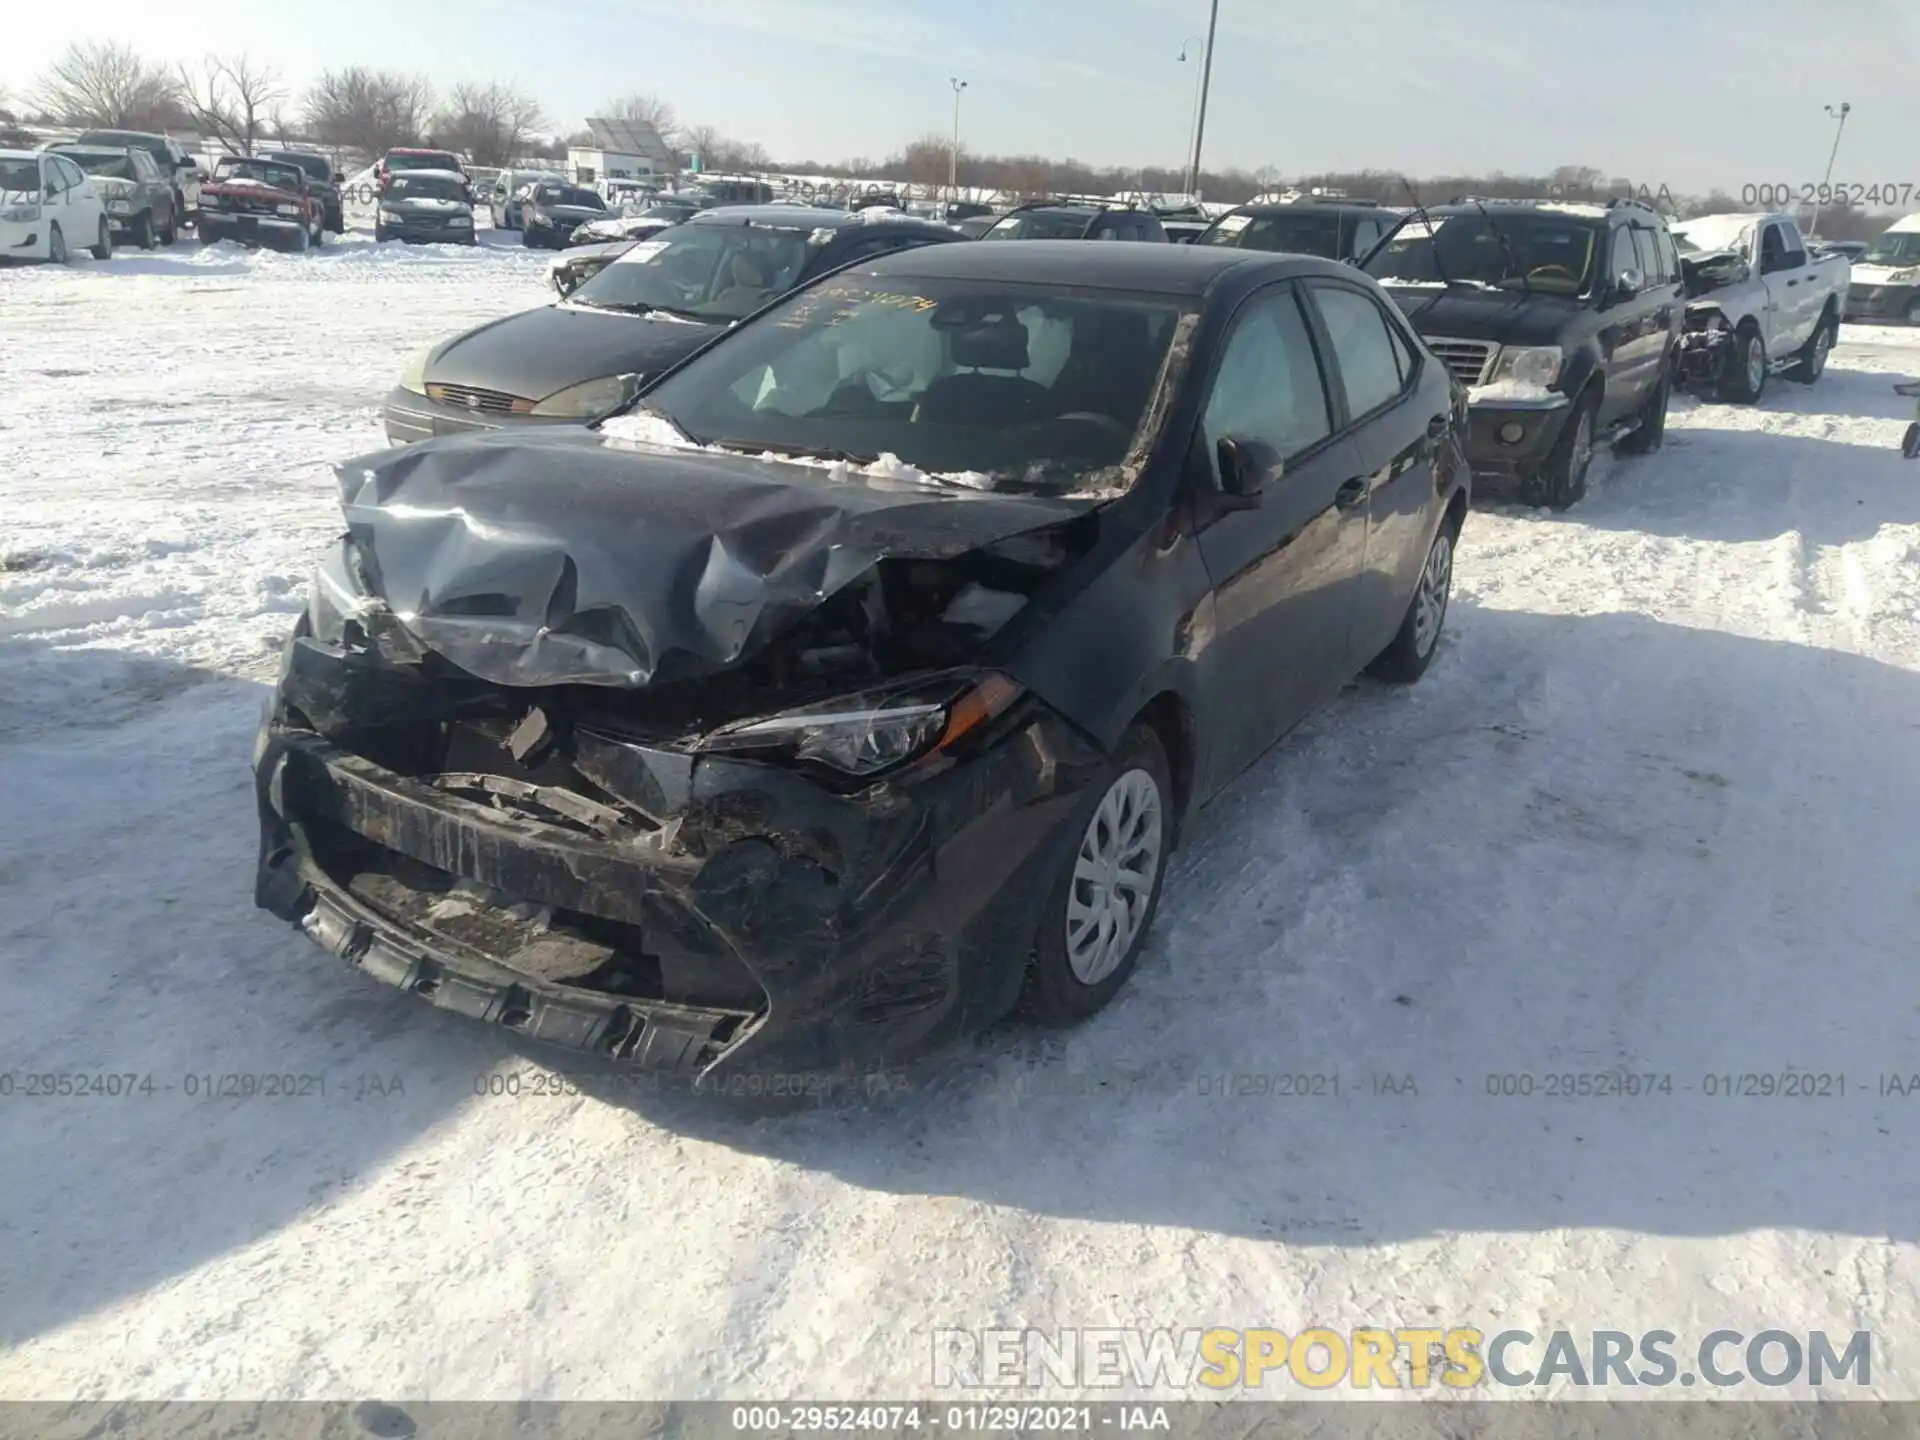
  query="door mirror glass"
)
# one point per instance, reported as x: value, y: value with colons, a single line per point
x: 1630, y: 284
x: 1246, y: 466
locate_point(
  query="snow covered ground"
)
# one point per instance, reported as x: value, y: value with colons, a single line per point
x: 1653, y: 810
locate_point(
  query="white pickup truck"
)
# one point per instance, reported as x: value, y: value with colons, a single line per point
x: 1758, y: 303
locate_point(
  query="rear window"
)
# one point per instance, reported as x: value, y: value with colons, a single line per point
x: 1041, y: 225
x: 434, y: 160
x: 1292, y: 234
x: 315, y: 165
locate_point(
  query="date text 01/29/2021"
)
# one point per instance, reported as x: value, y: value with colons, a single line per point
x: 1026, y: 1419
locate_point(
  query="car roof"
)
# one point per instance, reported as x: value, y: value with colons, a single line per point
x: 1309, y: 207
x: 75, y: 147
x: 289, y: 154
x: 19, y: 154
x: 803, y: 217
x: 1167, y: 269
x: 417, y: 150
x: 136, y: 134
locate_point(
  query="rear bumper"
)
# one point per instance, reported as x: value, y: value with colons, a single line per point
x: 1880, y: 302
x: 773, y: 928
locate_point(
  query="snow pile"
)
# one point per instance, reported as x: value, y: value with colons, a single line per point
x: 644, y: 428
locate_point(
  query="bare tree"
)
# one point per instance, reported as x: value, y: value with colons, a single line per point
x: 106, y: 84
x: 644, y: 106
x: 490, y: 122
x: 230, y: 97
x: 368, y: 110
x: 704, y: 141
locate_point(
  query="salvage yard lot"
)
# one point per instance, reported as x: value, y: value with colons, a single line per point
x: 1653, y: 811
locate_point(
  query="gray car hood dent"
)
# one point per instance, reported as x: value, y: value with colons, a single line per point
x: 559, y: 557
x: 540, y: 352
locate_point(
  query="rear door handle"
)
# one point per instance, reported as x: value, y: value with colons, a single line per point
x: 1350, y: 494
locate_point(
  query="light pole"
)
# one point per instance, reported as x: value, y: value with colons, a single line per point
x: 1841, y: 116
x: 953, y: 155
x: 1193, y: 123
x: 1200, y: 115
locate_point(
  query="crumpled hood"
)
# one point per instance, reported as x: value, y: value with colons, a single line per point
x: 1504, y: 317
x: 424, y: 205
x: 561, y: 557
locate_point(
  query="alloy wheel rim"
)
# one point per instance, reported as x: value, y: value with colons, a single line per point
x: 1582, y: 444
x: 1113, y: 877
x: 1756, y: 365
x: 1822, y: 343
x: 1430, y: 601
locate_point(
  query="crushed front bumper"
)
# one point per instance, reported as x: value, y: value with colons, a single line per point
x: 1705, y: 355
x: 751, y: 920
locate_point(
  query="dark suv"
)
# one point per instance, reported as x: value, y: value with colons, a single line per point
x: 1074, y: 220
x: 1331, y: 229
x: 323, y: 182
x: 1561, y: 320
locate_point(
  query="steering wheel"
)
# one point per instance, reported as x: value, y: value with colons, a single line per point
x: 1095, y: 418
x: 1554, y: 270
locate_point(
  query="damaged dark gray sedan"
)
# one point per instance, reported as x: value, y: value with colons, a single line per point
x: 857, y: 682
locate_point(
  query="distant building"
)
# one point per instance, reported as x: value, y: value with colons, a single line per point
x: 621, y: 150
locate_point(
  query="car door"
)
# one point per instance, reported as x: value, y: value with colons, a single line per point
x: 1802, y: 303
x: 79, y: 206
x: 1284, y: 569
x: 1782, y: 290
x: 1626, y: 328
x: 1374, y: 372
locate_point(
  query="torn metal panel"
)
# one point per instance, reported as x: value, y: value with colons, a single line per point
x: 557, y: 558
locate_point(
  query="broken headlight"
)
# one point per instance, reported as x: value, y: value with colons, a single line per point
x: 337, y: 594
x: 868, y: 733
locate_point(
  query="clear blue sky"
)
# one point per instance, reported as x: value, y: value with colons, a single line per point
x: 1686, y: 93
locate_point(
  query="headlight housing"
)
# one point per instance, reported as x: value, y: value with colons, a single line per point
x: 337, y: 594
x: 873, y: 732
x: 414, y: 378
x: 1904, y: 277
x: 391, y: 217
x: 590, y: 399
x: 1528, y: 365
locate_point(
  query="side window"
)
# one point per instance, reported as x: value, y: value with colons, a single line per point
x: 1772, y: 250
x: 1370, y: 371
x: 1268, y: 387
x: 71, y: 174
x: 1645, y: 256
x: 1366, y: 233
x: 1669, y: 258
x: 52, y: 182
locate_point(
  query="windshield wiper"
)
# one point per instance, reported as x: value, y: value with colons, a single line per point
x: 798, y: 452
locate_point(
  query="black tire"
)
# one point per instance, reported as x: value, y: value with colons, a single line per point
x: 170, y: 232
x: 1913, y: 313
x: 1745, y: 381
x: 143, y: 232
x: 56, y: 245
x: 527, y: 241
x: 1811, y: 361
x: 206, y: 234
x: 1562, y: 480
x: 1910, y: 442
x: 1413, y: 647
x: 335, y: 221
x: 1650, y: 432
x: 1054, y: 994
x: 380, y: 237
x: 103, y: 247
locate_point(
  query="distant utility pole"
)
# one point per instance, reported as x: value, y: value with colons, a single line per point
x: 1200, y: 119
x: 1841, y: 116
x: 953, y: 155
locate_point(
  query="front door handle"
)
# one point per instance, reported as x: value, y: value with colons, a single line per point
x: 1350, y: 494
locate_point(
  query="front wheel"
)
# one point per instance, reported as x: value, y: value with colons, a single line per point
x: 170, y: 232
x: 1103, y: 901
x: 1746, y: 377
x: 143, y: 232
x: 103, y: 242
x: 1562, y: 480
x: 1910, y: 442
x: 1406, y: 659
x: 56, y: 245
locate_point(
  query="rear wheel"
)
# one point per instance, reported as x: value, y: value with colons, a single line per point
x: 1103, y: 901
x: 170, y: 232
x: 1811, y: 363
x: 1651, y: 430
x: 1406, y: 659
x: 143, y: 232
x: 1910, y: 442
x: 103, y: 242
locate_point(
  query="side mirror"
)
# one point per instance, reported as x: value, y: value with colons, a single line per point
x: 339, y: 177
x: 186, y: 164
x: 1629, y: 284
x: 1246, y: 468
